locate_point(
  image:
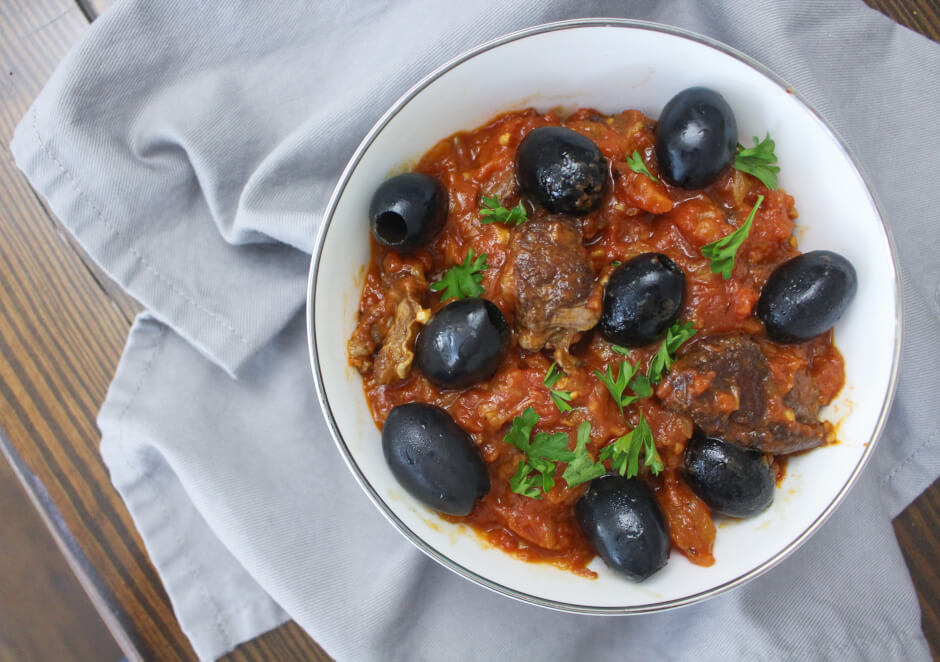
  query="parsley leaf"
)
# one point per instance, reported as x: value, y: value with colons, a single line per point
x: 583, y: 468
x: 636, y: 165
x: 641, y: 385
x: 493, y: 212
x: 536, y: 471
x: 521, y: 429
x: 626, y: 377
x: 666, y: 354
x: 758, y: 161
x: 462, y: 281
x: 722, y: 252
x: 523, y: 481
x: 624, y: 453
x: 551, y: 447
x: 560, y: 398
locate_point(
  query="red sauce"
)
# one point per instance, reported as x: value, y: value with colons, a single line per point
x: 637, y: 216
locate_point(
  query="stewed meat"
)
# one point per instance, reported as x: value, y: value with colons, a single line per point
x: 553, y: 285
x: 725, y: 384
x: 393, y: 362
x: 392, y: 325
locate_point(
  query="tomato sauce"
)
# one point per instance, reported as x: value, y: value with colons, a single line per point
x: 638, y: 215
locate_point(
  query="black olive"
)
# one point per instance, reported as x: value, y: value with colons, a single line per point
x: 463, y: 343
x: 642, y: 300
x: 696, y: 138
x: 806, y: 295
x: 407, y: 211
x: 433, y: 458
x: 562, y: 170
x: 730, y: 479
x: 625, y: 526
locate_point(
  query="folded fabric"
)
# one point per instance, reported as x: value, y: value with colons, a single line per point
x: 191, y: 150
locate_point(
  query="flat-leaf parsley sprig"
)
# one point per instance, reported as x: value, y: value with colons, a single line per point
x: 627, y: 375
x: 462, y: 281
x: 535, y: 472
x: 662, y: 360
x: 758, y: 161
x: 559, y: 397
x: 722, y: 252
x: 493, y: 212
x: 583, y: 468
x: 635, y: 161
x: 624, y: 453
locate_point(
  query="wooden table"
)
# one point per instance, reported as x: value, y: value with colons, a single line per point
x: 63, y: 325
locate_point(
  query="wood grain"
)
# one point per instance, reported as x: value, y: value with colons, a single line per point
x: 62, y: 327
x: 35, y: 580
x: 922, y: 16
x: 917, y: 531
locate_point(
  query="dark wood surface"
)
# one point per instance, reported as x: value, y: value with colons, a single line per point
x: 62, y: 327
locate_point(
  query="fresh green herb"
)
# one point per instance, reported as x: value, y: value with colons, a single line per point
x: 493, y: 212
x: 616, y: 263
x: 758, y: 161
x: 666, y: 354
x: 624, y: 453
x: 535, y: 472
x: 636, y: 165
x: 462, y: 281
x: 560, y: 398
x: 521, y: 429
x: 722, y: 252
x: 626, y: 377
x: 583, y: 468
x: 524, y: 481
x: 641, y: 385
x: 552, y: 447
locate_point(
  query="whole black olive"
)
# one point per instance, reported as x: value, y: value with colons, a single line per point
x: 642, y: 300
x: 407, y: 211
x: 696, y: 138
x: 625, y: 526
x: 806, y: 295
x: 562, y: 170
x: 463, y: 343
x: 730, y: 479
x: 433, y: 458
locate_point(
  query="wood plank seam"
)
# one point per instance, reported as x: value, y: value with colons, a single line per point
x: 71, y: 551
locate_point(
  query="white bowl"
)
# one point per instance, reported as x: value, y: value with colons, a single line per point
x: 595, y: 63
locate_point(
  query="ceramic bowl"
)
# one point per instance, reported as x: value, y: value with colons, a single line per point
x: 595, y: 63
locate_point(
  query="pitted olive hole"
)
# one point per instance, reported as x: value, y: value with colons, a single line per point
x: 391, y: 227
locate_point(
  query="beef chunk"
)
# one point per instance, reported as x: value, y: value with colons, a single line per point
x: 553, y: 285
x: 393, y: 362
x: 392, y: 325
x: 725, y: 385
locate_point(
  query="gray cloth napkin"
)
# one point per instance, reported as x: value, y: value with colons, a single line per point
x: 191, y: 148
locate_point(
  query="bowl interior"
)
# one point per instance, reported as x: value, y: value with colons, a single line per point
x: 612, y: 67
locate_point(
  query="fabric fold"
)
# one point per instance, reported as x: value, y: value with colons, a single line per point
x: 219, y: 603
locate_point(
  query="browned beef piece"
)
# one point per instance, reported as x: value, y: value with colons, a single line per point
x: 725, y: 385
x: 393, y: 362
x: 553, y: 285
x: 391, y: 326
